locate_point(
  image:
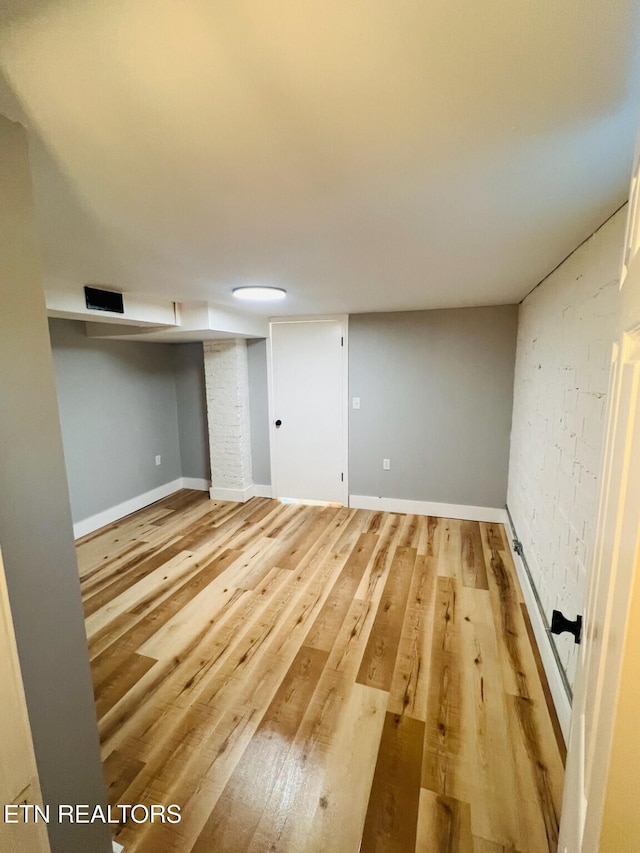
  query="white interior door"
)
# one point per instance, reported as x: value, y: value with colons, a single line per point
x: 19, y: 782
x: 600, y: 679
x: 308, y: 409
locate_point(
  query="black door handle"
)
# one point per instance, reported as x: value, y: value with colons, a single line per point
x: 278, y: 423
x: 560, y: 624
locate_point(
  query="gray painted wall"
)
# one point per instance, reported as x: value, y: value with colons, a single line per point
x: 35, y: 524
x: 117, y: 411
x: 259, y: 407
x: 436, y: 390
x: 192, y: 410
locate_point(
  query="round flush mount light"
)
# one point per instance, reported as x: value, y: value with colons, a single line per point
x: 259, y: 294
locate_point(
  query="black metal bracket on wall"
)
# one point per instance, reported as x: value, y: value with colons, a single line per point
x: 560, y: 624
x: 519, y: 550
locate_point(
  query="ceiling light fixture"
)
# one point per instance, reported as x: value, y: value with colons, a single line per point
x: 263, y: 294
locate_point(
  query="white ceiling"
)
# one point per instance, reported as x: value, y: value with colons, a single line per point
x: 387, y: 155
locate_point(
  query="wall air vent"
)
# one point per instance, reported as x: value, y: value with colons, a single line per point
x: 104, y: 300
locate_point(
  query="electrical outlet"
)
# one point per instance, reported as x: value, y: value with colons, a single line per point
x: 158, y: 460
x: 386, y: 464
x: 356, y: 402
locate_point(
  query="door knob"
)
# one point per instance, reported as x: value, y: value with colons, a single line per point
x: 278, y: 423
x: 560, y: 624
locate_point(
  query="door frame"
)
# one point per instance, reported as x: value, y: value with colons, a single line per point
x: 314, y: 318
x: 24, y: 834
x: 602, y: 756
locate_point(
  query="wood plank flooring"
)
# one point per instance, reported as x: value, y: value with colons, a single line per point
x: 303, y: 678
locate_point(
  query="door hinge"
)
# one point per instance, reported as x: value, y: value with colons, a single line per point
x: 342, y: 478
x: 341, y: 342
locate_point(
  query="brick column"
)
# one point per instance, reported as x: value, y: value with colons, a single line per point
x: 227, y: 386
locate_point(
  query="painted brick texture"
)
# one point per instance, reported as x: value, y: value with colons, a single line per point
x: 565, y: 334
x: 227, y: 391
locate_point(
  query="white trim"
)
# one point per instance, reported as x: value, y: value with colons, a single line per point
x: 117, y: 848
x: 115, y: 513
x: 196, y: 483
x: 303, y: 502
x: 345, y: 413
x: 261, y: 491
x: 556, y: 684
x: 270, y: 408
x: 217, y: 493
x: 441, y: 510
x: 320, y: 318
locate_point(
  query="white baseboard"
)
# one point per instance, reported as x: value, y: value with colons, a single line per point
x: 217, y: 493
x: 262, y: 491
x: 196, y: 483
x: 107, y: 516
x: 114, y: 513
x: 556, y: 684
x: 465, y: 513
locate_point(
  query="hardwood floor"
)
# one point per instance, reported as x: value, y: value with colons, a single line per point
x: 302, y: 678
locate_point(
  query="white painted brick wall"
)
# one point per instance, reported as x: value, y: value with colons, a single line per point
x: 227, y: 390
x: 565, y: 332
